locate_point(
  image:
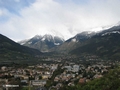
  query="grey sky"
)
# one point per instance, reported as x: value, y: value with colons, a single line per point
x: 22, y: 19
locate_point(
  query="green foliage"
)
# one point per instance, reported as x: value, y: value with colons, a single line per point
x: 28, y: 88
x: 51, y: 82
x: 57, y: 72
x: 107, y: 46
x: 110, y: 81
x: 12, y: 51
x: 40, y: 77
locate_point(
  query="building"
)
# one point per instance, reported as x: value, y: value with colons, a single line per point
x: 38, y: 82
x: 75, y: 68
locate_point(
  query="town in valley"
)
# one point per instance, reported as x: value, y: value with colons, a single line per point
x: 53, y: 73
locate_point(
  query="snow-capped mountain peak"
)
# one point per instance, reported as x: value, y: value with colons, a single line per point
x: 84, y: 35
x: 47, y: 37
x: 43, y: 43
x: 37, y: 37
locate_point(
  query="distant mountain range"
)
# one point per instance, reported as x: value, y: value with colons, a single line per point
x: 43, y: 43
x: 74, y: 42
x: 105, y: 43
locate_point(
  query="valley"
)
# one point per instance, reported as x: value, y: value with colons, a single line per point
x: 50, y: 63
x: 52, y: 73
x: 59, y: 44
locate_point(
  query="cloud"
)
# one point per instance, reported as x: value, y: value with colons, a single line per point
x: 58, y: 17
x: 17, y: 0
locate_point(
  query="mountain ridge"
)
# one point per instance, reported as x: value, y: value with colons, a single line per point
x: 12, y: 50
x: 100, y: 43
x: 104, y: 44
x: 43, y: 43
x: 74, y: 42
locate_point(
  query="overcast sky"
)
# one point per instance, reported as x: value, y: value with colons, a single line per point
x: 22, y: 19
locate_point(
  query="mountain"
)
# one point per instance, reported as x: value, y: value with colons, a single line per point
x: 23, y: 41
x: 82, y: 36
x: 10, y: 50
x: 74, y: 42
x: 43, y: 43
x: 105, y: 44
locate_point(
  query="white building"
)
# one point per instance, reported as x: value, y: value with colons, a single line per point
x: 76, y: 68
x: 38, y: 82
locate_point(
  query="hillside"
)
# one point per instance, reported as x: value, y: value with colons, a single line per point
x: 110, y: 81
x: 10, y: 50
x: 43, y: 43
x: 74, y: 42
x: 105, y: 44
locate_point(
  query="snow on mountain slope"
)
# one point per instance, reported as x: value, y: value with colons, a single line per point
x: 23, y: 41
x: 43, y: 43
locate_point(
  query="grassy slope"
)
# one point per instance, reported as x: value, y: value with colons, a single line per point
x: 105, y: 46
x: 11, y: 50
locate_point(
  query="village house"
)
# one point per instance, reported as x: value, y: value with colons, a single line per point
x: 38, y: 82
